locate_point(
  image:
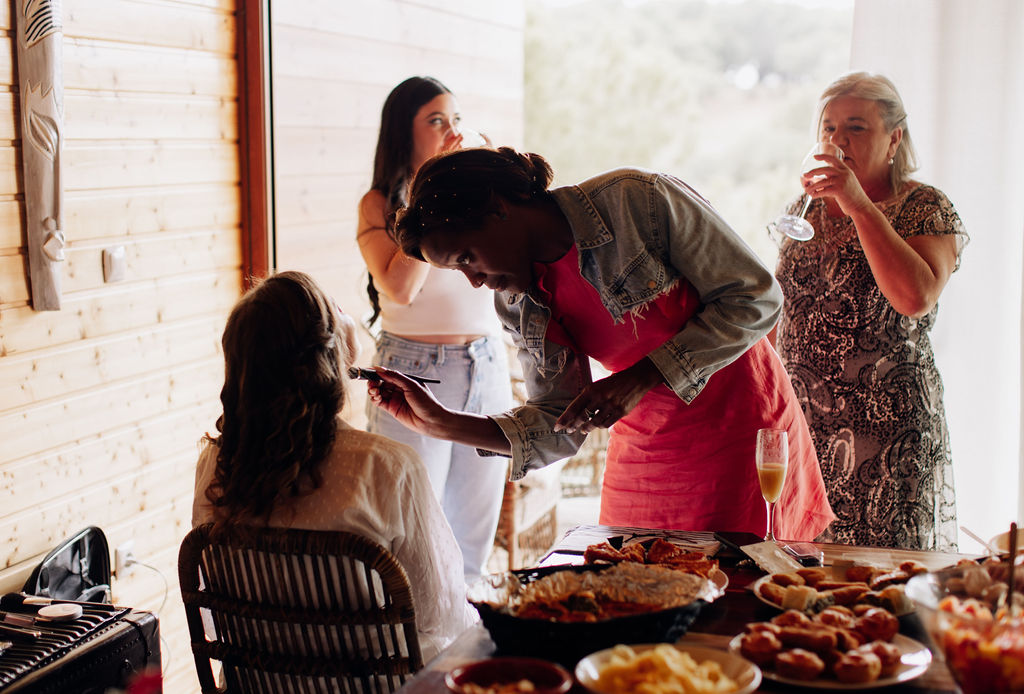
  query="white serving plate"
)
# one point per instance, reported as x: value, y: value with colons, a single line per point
x: 914, y: 661
x: 736, y: 667
x: 756, y: 587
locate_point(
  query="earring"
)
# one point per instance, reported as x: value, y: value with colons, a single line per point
x: 890, y: 161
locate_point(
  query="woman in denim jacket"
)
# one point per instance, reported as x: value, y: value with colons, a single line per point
x: 634, y: 270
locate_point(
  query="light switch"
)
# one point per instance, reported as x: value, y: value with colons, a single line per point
x: 114, y: 264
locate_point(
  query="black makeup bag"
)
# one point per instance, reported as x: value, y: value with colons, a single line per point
x: 76, y: 569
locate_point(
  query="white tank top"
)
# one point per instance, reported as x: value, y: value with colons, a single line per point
x: 447, y: 305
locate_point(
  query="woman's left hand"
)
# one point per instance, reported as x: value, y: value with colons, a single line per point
x: 608, y: 400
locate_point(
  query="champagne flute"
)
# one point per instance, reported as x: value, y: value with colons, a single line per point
x: 772, y: 458
x: 795, y: 226
x: 470, y: 137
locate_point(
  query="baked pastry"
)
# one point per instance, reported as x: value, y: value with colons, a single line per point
x: 634, y: 552
x: 812, y: 576
x: 602, y: 552
x: 848, y: 639
x: 848, y: 595
x: 751, y: 627
x: 913, y: 568
x: 791, y: 618
x: 894, y: 598
x: 760, y: 647
x: 661, y: 550
x: 888, y: 654
x: 857, y: 667
x: 817, y: 637
x: 792, y: 579
x: 877, y: 624
x: 887, y: 579
x: 772, y: 592
x: 799, y: 664
x: 837, y: 616
x: 864, y: 574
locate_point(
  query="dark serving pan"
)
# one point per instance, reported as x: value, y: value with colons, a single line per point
x: 567, y: 642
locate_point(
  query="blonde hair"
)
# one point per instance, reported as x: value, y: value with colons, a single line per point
x: 881, y: 90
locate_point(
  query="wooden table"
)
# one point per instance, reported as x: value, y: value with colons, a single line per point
x: 719, y: 621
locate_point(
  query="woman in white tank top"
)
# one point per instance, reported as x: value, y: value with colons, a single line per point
x: 433, y: 323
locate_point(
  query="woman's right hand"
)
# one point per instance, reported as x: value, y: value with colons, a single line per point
x: 407, y: 401
x: 834, y: 179
x: 416, y: 408
x: 452, y: 142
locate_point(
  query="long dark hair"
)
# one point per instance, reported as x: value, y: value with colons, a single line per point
x: 394, y: 150
x: 455, y: 191
x: 284, y: 384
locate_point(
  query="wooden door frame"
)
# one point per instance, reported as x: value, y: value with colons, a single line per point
x: 255, y: 139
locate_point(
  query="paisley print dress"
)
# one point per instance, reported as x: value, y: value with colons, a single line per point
x: 867, y: 382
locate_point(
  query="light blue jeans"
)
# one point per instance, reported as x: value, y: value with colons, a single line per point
x: 474, y: 378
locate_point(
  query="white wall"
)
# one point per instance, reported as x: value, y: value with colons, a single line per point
x: 959, y: 65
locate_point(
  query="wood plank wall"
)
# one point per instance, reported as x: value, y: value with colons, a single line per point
x: 102, y: 403
x: 333, y: 65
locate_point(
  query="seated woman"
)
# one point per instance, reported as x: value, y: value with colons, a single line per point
x: 284, y: 458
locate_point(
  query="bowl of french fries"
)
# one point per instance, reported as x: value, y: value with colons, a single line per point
x: 664, y: 668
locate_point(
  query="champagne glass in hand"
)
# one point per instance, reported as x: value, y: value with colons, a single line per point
x: 772, y: 460
x: 794, y: 225
x: 471, y: 138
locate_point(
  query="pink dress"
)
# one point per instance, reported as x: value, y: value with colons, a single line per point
x: 688, y: 467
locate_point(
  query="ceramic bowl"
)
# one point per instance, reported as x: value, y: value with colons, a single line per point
x: 503, y: 673
x: 1002, y: 541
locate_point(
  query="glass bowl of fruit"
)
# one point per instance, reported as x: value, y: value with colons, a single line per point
x: 975, y: 625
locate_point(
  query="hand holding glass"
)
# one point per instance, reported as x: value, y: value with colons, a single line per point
x: 772, y: 459
x: 794, y: 225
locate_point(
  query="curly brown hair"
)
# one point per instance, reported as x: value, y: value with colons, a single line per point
x: 284, y: 384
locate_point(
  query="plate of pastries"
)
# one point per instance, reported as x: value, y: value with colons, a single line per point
x: 836, y: 648
x: 658, y: 552
x: 813, y: 589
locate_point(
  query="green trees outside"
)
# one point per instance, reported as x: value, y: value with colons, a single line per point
x: 720, y: 93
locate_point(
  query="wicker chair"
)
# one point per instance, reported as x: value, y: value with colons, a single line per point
x: 293, y: 611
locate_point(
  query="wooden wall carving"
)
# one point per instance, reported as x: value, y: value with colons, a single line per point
x: 40, y: 33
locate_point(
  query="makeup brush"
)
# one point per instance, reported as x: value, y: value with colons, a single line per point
x: 371, y: 375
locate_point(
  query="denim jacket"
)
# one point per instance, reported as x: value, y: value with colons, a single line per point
x: 637, y: 233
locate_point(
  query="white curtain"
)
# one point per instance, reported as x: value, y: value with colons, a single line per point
x: 959, y: 65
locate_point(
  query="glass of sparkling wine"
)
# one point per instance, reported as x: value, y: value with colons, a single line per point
x: 796, y: 226
x: 772, y: 460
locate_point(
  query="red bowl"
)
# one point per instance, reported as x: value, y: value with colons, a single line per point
x: 547, y: 677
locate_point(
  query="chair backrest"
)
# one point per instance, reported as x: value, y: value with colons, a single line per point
x: 297, y: 611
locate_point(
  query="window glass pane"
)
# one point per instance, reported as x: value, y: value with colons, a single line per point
x: 719, y: 93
